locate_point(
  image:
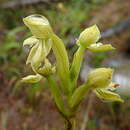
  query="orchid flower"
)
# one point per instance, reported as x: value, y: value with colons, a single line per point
x: 66, y: 94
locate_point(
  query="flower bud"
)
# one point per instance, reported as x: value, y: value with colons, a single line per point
x: 100, y: 78
x: 39, y: 26
x: 32, y: 79
x: 89, y: 36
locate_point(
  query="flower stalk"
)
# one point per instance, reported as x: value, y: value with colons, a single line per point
x: 75, y: 67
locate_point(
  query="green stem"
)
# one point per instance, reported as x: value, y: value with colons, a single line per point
x: 78, y: 95
x: 62, y: 62
x: 57, y: 95
x: 76, y: 65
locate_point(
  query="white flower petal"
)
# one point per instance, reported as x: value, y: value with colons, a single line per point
x: 30, y: 41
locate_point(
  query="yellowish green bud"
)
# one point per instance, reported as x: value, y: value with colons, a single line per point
x: 99, y: 47
x: 32, y: 79
x: 39, y: 26
x: 89, y: 36
x: 100, y: 78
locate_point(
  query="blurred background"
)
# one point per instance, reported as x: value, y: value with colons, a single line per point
x: 30, y: 106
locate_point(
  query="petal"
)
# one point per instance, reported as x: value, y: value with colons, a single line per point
x: 99, y: 47
x: 32, y: 53
x: 42, y: 51
x: 38, y: 56
x: 32, y: 79
x: 30, y: 41
x: 48, y: 46
x: 108, y: 95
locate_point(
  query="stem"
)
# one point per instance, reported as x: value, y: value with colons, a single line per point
x: 78, y: 95
x: 70, y: 124
x: 76, y: 65
x: 62, y: 62
x: 86, y: 115
x: 57, y: 96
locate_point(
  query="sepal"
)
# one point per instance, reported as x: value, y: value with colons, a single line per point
x: 39, y: 26
x: 100, y: 78
x: 99, y: 47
